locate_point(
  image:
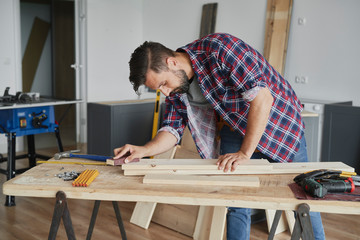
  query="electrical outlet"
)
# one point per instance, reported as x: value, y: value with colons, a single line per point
x: 304, y: 79
x: 301, y: 79
x: 301, y: 21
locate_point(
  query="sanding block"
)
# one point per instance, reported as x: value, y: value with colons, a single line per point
x: 120, y: 161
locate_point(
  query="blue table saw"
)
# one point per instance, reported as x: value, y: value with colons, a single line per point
x: 26, y: 121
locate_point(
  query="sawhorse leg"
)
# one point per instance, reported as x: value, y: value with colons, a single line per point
x: 118, y: 217
x: 10, y: 200
x: 31, y: 150
x: 58, y: 139
x: 61, y: 211
x: 302, y: 227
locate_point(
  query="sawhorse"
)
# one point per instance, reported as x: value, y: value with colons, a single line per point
x: 61, y: 211
x: 302, y: 227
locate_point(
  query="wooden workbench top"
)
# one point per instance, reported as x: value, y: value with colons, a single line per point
x: 112, y: 185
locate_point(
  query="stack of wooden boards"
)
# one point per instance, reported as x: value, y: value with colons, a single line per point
x: 208, y: 167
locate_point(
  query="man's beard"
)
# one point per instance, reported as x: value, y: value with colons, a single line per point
x: 184, y: 82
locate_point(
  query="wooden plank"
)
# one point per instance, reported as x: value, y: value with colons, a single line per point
x: 290, y: 219
x: 203, y: 223
x: 191, y: 164
x: 218, y: 223
x: 282, y: 225
x: 181, y: 218
x: 187, y: 142
x: 208, y: 19
x: 272, y: 168
x: 278, y: 16
x: 238, y: 181
x: 168, y: 154
x: 142, y: 214
x: 280, y: 168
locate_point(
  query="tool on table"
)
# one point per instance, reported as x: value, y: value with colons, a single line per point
x: 85, y: 178
x: 68, y: 176
x: 120, y: 161
x: 320, y: 182
x: 70, y: 154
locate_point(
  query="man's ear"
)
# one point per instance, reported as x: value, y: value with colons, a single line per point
x: 172, y: 62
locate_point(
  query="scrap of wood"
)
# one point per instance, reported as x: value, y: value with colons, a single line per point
x: 238, y: 181
x: 142, y: 214
x: 181, y: 218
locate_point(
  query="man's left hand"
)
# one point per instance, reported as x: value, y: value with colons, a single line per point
x: 230, y: 161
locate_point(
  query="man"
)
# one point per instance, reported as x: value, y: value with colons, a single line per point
x: 221, y: 85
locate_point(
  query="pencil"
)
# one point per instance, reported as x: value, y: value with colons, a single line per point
x: 79, y: 178
x: 84, y: 179
x: 93, y: 176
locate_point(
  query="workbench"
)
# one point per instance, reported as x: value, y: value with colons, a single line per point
x: 112, y: 185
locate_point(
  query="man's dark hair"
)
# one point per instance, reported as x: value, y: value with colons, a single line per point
x: 149, y: 55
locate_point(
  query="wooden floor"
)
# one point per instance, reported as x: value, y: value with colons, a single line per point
x: 31, y: 218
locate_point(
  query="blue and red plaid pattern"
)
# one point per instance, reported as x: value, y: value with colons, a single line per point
x: 227, y: 68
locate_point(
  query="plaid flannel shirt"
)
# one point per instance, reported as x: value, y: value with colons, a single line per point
x: 228, y: 70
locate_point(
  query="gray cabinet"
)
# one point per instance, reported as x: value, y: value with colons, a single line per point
x: 341, y: 135
x: 114, y: 124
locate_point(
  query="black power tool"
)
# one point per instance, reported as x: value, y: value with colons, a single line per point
x: 320, y: 182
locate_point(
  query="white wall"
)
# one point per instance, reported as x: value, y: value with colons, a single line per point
x: 10, y: 61
x: 114, y: 29
x: 175, y: 24
x: 325, y: 49
x: 10, y: 55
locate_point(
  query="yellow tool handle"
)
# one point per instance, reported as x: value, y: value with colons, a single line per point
x: 80, y: 163
x: 156, y: 114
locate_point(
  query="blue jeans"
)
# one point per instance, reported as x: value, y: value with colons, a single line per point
x: 239, y: 219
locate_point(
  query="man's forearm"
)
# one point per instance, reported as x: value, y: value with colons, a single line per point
x: 257, y: 119
x: 162, y: 142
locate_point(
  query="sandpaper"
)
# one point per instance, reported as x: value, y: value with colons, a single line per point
x: 120, y: 161
x: 300, y: 193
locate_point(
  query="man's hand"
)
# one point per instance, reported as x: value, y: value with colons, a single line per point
x: 134, y: 151
x: 231, y: 161
x: 162, y: 142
